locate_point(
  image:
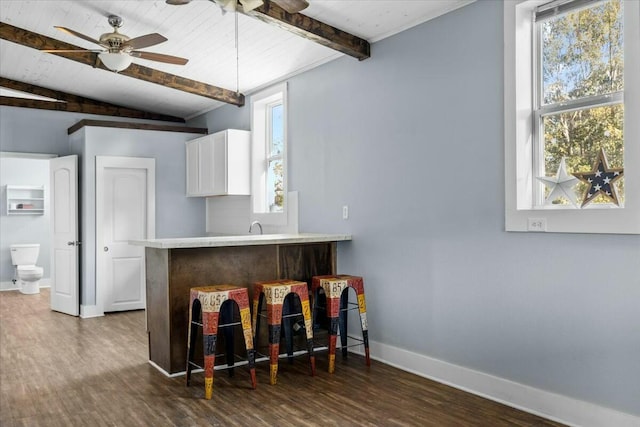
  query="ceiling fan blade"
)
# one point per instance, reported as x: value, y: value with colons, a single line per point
x: 71, y: 50
x: 82, y: 36
x: 146, y: 41
x: 160, y: 57
x: 292, y: 6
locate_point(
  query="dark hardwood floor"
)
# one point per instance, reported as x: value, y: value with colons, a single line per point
x: 58, y: 370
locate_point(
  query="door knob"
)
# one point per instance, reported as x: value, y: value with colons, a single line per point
x: 106, y: 249
x: 76, y: 243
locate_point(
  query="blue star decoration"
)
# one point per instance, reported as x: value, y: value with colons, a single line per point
x: 600, y: 180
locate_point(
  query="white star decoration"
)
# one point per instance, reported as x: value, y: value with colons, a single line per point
x: 561, y: 185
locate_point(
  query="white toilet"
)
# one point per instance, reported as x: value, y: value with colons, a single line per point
x: 24, y: 257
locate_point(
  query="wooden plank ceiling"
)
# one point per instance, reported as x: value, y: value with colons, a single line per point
x: 218, y: 72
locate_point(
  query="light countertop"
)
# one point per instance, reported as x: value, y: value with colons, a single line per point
x: 240, y: 240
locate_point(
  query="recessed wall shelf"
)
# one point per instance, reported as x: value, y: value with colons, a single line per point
x: 25, y: 200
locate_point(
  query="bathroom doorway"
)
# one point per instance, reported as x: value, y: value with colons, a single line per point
x: 24, y: 169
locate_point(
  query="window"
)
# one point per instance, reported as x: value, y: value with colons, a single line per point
x: 572, y: 151
x: 269, y: 143
x: 275, y: 157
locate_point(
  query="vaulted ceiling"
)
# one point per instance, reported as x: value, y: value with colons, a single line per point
x: 271, y: 45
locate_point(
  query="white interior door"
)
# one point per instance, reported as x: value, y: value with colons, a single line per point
x: 64, y: 224
x: 125, y: 210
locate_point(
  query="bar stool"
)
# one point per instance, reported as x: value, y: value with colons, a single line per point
x: 337, y: 307
x: 206, y: 304
x: 274, y: 293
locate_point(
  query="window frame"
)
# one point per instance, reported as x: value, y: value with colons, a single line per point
x: 520, y: 93
x: 261, y: 103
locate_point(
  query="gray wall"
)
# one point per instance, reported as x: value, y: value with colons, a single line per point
x: 176, y: 214
x: 23, y: 228
x: 412, y: 140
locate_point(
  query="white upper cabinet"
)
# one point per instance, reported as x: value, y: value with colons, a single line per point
x: 218, y: 164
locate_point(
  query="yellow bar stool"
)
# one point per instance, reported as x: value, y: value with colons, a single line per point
x: 337, y: 306
x: 207, y: 307
x: 274, y: 294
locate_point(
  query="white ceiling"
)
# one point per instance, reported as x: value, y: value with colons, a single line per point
x: 197, y: 31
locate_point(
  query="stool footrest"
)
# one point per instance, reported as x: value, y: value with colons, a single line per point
x: 240, y: 362
x: 227, y: 366
x: 224, y: 325
x: 262, y: 357
x: 196, y: 365
x: 324, y: 347
x: 286, y: 316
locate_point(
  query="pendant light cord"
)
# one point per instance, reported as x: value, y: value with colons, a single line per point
x: 237, y: 59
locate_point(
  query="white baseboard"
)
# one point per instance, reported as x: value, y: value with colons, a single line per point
x: 10, y: 286
x: 175, y: 374
x: 88, y: 311
x: 549, y: 405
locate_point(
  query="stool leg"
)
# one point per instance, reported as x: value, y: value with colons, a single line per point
x: 245, y: 319
x: 344, y: 305
x: 226, y: 316
x: 194, y: 314
x: 274, y: 319
x: 333, y: 312
x: 362, y: 308
x: 308, y: 326
x: 209, y: 338
x: 258, y: 300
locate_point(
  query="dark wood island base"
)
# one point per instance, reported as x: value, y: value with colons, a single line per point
x: 171, y: 272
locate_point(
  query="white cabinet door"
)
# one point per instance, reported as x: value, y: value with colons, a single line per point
x: 193, y: 186
x: 206, y: 165
x: 220, y: 171
x: 238, y: 157
x: 218, y: 164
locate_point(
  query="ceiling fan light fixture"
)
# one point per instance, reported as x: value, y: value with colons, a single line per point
x: 248, y: 5
x: 226, y: 5
x: 115, y: 61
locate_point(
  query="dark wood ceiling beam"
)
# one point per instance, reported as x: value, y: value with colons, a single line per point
x: 313, y: 30
x: 73, y: 103
x: 38, y: 41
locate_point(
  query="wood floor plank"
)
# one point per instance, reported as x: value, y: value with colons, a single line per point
x: 58, y: 370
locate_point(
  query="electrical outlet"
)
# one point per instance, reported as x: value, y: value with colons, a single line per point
x: 536, y: 224
x: 345, y: 212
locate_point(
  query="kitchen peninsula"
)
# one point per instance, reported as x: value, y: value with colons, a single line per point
x: 173, y: 266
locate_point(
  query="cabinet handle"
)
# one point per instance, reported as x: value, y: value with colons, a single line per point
x: 106, y: 249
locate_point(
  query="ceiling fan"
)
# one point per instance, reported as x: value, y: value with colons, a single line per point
x: 118, y: 49
x: 291, y: 6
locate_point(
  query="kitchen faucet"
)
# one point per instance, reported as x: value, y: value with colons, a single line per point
x: 255, y: 223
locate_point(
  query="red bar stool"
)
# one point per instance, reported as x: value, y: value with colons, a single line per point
x: 333, y: 287
x: 208, y: 305
x: 274, y: 293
